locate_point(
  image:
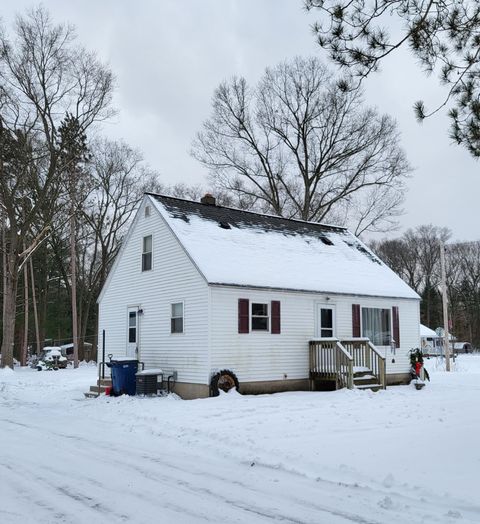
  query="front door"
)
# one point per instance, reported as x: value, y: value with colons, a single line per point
x: 325, y: 321
x: 132, y: 332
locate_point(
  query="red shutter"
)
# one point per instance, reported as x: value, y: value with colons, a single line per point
x: 243, y: 316
x: 275, y: 329
x: 396, y: 326
x: 356, y: 320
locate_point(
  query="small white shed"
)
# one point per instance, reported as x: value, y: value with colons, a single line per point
x: 283, y: 304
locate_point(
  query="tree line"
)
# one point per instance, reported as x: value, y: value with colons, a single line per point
x: 415, y: 257
x: 301, y: 143
x: 66, y: 193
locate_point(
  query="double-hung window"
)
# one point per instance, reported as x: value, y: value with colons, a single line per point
x: 176, y: 320
x: 377, y: 326
x: 260, y: 318
x: 147, y: 253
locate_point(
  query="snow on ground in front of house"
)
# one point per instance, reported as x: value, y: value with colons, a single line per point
x: 395, y: 456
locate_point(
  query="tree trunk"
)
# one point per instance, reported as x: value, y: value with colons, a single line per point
x: 11, y: 283
x: 4, y: 267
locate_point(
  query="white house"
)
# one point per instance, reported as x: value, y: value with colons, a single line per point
x: 430, y: 342
x: 282, y: 304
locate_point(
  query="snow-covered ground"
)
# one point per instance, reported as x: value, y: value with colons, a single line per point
x: 396, y: 456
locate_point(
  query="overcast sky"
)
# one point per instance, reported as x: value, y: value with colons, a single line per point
x: 169, y: 55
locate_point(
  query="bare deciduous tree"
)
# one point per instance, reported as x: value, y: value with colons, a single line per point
x: 116, y: 178
x: 415, y: 257
x: 43, y: 76
x: 302, y: 144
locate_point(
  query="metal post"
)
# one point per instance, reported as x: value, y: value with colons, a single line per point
x: 103, y: 353
x: 445, y: 307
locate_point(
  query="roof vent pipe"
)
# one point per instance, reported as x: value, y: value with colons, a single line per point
x: 208, y: 199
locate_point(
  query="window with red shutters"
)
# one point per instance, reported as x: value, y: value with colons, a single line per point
x: 243, y: 315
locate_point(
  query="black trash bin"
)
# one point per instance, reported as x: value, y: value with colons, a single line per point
x: 123, y: 375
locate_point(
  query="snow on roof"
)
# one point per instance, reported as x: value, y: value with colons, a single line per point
x: 427, y: 332
x: 235, y: 247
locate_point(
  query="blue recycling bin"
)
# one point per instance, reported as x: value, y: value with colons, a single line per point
x: 123, y: 376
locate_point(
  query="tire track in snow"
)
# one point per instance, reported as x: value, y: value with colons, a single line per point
x: 144, y: 468
x: 257, y: 489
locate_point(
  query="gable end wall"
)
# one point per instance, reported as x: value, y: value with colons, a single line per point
x: 174, y: 278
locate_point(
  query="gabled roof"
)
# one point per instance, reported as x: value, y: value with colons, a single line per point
x: 241, y: 248
x: 427, y: 332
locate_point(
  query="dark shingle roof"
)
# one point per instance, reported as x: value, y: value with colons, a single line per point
x: 230, y: 217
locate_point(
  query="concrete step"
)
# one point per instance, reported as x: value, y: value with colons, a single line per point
x: 98, y: 389
x: 91, y: 394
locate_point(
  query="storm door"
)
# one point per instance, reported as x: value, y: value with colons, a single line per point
x: 325, y: 321
x: 132, y: 332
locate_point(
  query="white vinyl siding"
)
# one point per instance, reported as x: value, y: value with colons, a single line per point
x: 154, y: 292
x: 261, y: 356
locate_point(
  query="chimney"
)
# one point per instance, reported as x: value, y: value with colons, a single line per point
x: 208, y: 199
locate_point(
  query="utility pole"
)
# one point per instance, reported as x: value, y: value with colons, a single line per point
x: 35, y: 312
x: 73, y: 268
x: 446, y: 335
x: 25, y: 312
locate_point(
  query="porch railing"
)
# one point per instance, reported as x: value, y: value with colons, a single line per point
x: 338, y: 360
x: 330, y: 361
x: 367, y: 357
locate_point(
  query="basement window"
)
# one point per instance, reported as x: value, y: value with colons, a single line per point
x: 147, y: 253
x: 176, y: 320
x: 260, y: 318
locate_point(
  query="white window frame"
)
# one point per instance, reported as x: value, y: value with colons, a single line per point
x: 182, y: 317
x: 146, y: 252
x: 147, y: 211
x: 391, y: 323
x: 268, y: 316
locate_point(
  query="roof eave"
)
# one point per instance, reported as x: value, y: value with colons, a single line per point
x: 309, y: 291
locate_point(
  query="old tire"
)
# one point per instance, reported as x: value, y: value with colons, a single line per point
x: 224, y: 380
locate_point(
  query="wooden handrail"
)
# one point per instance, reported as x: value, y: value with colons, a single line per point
x: 334, y: 359
x: 343, y: 350
x: 329, y: 360
x: 375, y: 350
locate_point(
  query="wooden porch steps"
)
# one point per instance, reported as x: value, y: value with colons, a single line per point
x: 98, y: 389
x: 373, y: 387
x: 348, y: 362
x: 364, y: 379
